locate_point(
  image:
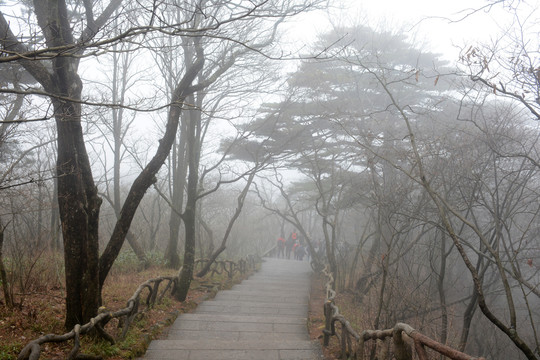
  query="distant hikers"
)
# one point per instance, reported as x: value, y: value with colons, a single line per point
x: 291, y: 240
x: 294, y: 244
x: 294, y: 247
x: 281, y: 247
x: 299, y: 251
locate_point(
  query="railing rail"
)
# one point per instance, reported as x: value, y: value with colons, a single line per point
x: 229, y: 267
x: 272, y: 252
x: 353, y: 345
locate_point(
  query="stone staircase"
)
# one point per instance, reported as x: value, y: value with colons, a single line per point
x: 263, y: 318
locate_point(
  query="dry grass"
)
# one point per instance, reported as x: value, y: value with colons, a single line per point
x: 42, y: 312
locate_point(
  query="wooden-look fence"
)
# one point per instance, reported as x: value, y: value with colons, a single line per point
x: 228, y: 266
x: 353, y: 345
x: 126, y: 315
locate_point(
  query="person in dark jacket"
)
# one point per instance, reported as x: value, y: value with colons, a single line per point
x: 289, y: 244
x: 281, y: 247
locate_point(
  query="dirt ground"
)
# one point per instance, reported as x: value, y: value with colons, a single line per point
x: 42, y: 313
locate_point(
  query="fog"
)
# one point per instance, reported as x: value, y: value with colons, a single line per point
x: 399, y: 140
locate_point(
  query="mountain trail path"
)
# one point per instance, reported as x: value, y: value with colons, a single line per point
x: 262, y: 318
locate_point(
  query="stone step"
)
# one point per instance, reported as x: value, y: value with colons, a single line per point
x: 272, y: 289
x: 251, y: 308
x: 232, y: 354
x: 203, y: 344
x: 246, y: 326
x: 243, y: 335
x: 262, y: 297
x: 231, y: 350
x: 255, y: 304
x: 263, y: 318
x: 232, y: 318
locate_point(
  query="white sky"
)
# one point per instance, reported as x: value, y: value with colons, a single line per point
x: 426, y: 20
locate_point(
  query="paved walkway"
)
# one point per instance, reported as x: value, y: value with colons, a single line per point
x: 263, y: 318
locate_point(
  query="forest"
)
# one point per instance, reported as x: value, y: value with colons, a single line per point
x: 172, y: 130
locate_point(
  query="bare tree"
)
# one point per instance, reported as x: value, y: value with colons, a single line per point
x: 56, y: 68
x: 118, y: 122
x: 445, y: 210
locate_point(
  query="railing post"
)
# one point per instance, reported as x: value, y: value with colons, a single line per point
x: 344, y: 335
x: 380, y: 349
x: 420, y: 351
x: 360, y: 348
x: 402, y: 350
x: 328, y: 322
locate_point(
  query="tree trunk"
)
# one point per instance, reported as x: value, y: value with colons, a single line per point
x: 179, y: 181
x: 153, y: 222
x: 380, y: 301
x: 138, y: 250
x: 209, y: 233
x: 440, y: 289
x: 3, y: 277
x: 172, y: 258
x: 467, y: 320
x: 40, y: 199
x: 54, y: 243
x: 189, y: 215
x: 329, y: 240
x: 79, y: 206
x: 78, y: 200
x: 186, y: 274
x: 119, y: 89
x: 240, y: 205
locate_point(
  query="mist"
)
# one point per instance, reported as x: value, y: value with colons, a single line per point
x: 405, y: 156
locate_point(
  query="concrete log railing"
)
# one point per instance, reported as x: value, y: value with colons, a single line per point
x: 353, y: 345
x: 126, y: 315
x: 229, y: 267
